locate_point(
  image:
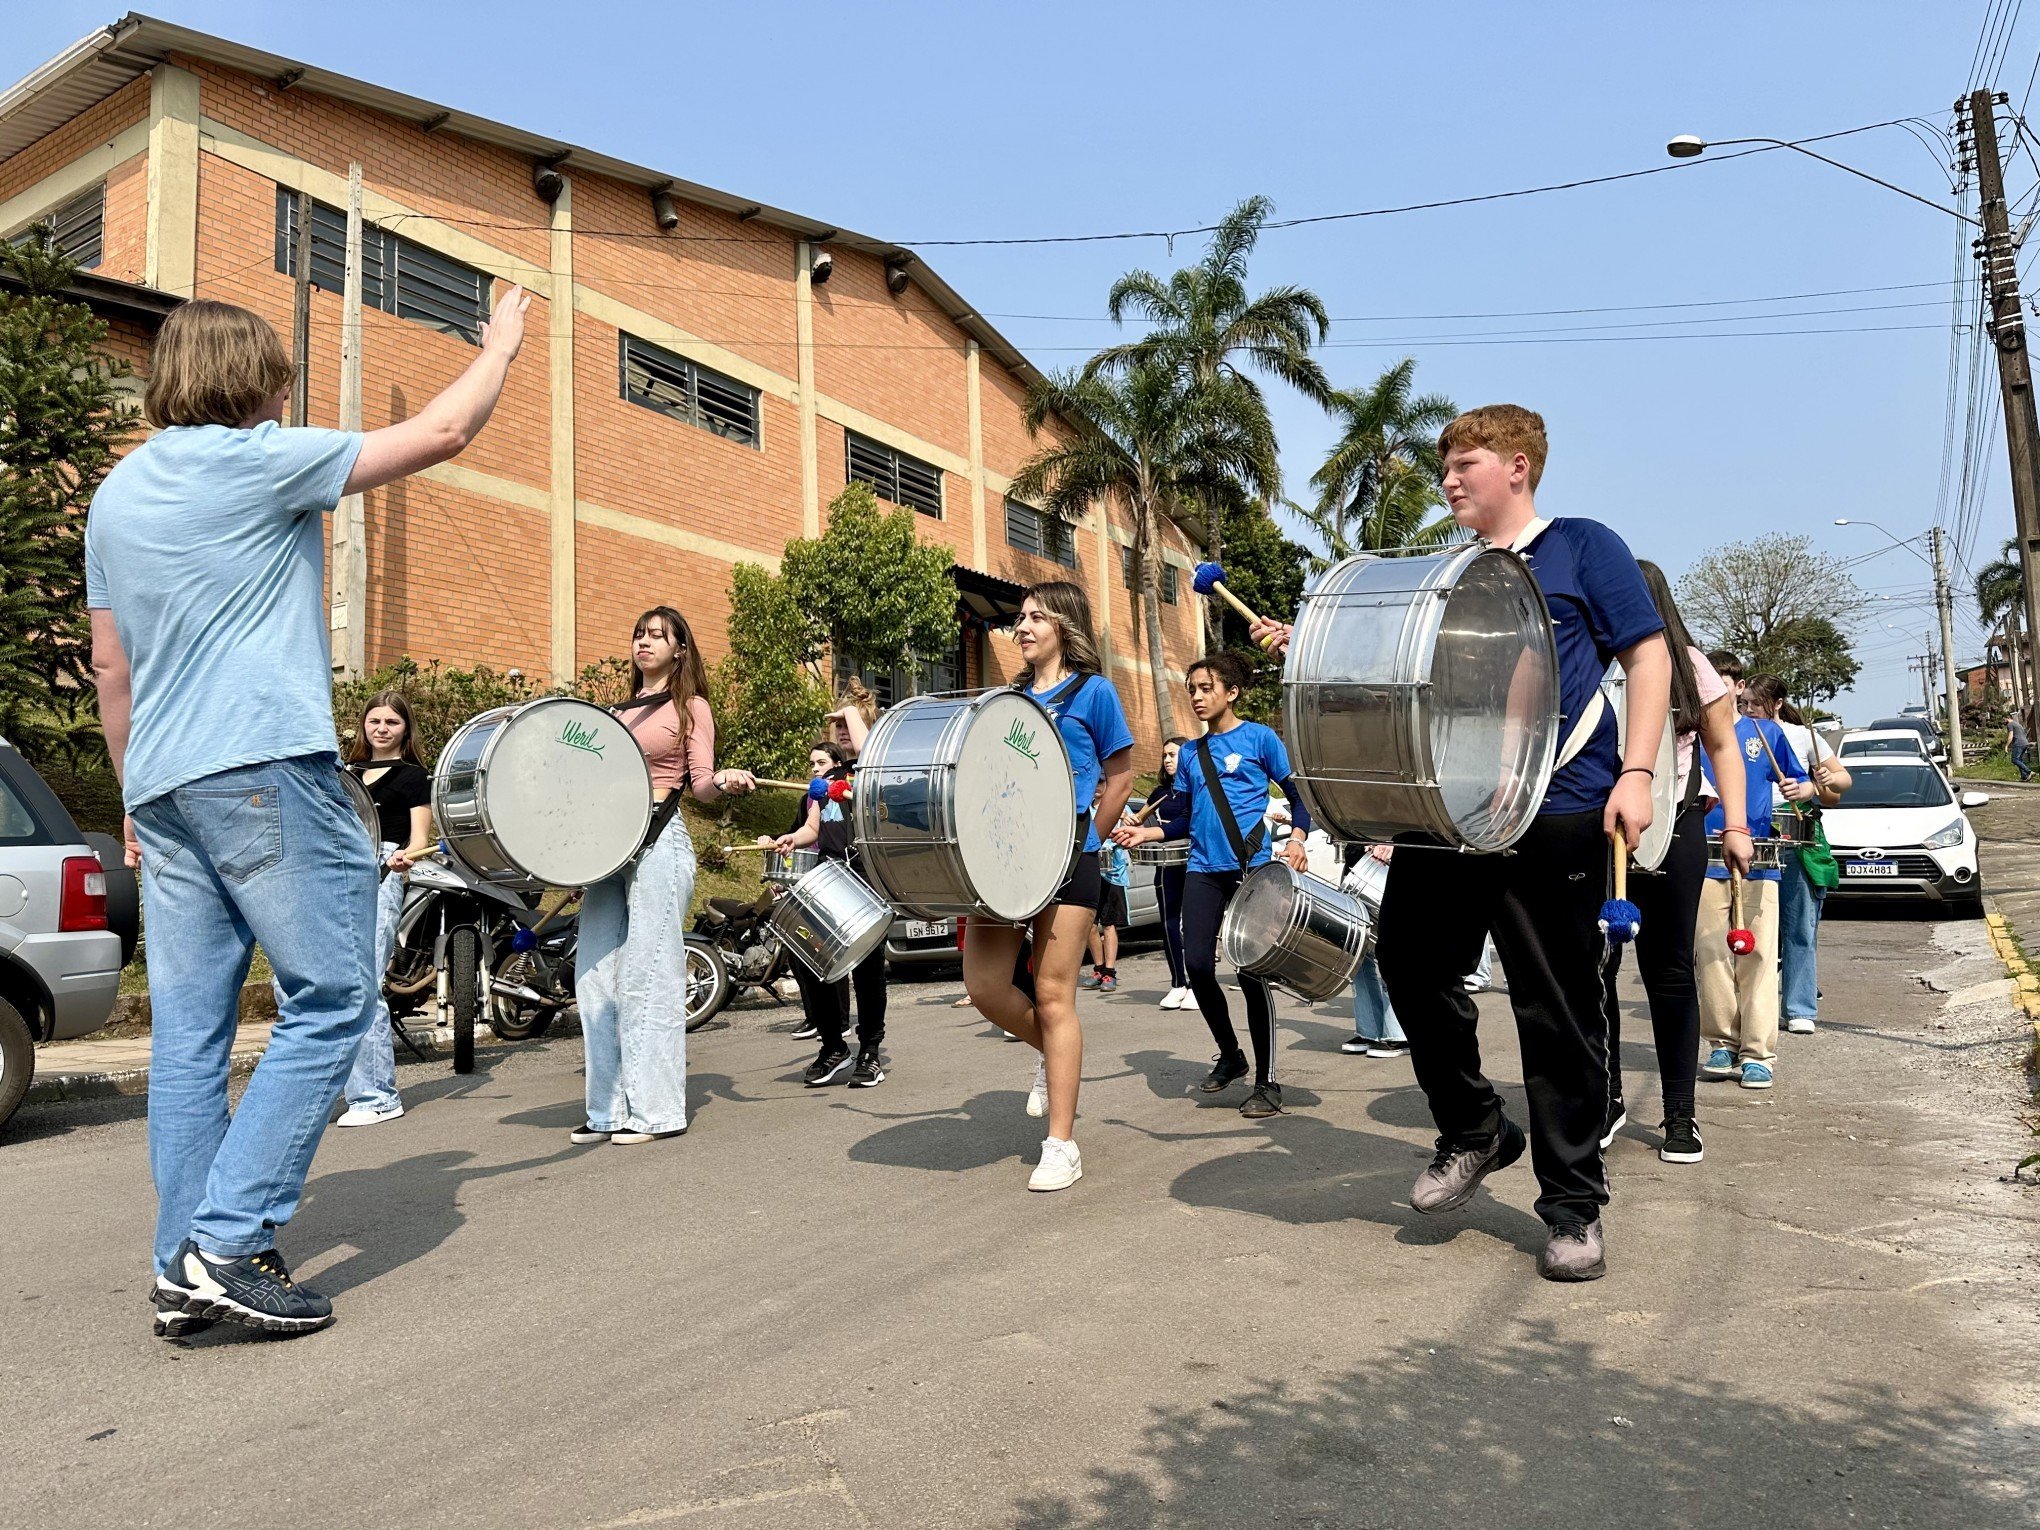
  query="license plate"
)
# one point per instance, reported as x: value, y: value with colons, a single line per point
x: 1871, y: 869
x: 929, y: 929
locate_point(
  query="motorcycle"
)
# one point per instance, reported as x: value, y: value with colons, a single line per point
x: 732, y: 946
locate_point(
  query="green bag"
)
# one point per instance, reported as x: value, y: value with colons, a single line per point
x: 1817, y: 857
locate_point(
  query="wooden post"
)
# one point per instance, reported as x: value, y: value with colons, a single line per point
x: 301, y: 313
x: 349, y: 615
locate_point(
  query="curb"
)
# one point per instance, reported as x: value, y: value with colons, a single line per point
x: 2025, y: 984
x: 62, y: 1088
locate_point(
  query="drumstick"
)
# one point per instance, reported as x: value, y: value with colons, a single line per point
x: 1741, y: 942
x: 1620, y: 919
x: 1209, y: 579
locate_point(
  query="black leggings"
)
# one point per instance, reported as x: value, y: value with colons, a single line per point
x: 1169, y: 894
x: 828, y: 1004
x: 1669, y: 901
x: 1205, y: 895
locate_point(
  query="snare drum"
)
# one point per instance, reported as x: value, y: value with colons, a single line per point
x: 1298, y: 932
x: 555, y: 791
x: 964, y: 806
x: 1420, y: 698
x: 1162, y: 852
x: 831, y: 920
x: 786, y: 867
x: 1765, y: 854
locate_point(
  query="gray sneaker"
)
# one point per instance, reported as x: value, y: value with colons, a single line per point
x: 1575, y: 1252
x: 1456, y: 1172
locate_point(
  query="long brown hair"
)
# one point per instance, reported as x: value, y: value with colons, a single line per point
x: 361, y: 752
x: 1071, y: 608
x: 213, y: 364
x: 1686, y: 706
x: 690, y: 676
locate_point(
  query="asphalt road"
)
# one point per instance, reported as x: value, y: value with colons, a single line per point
x: 843, y: 1309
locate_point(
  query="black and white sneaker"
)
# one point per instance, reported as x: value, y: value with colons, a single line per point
x: 827, y: 1068
x: 587, y: 1132
x: 1355, y: 1046
x: 806, y: 1031
x: 1266, y: 1100
x: 1682, y: 1140
x: 255, y: 1290
x: 169, y: 1298
x: 1618, y: 1117
x: 869, y: 1072
x: 1225, y: 1070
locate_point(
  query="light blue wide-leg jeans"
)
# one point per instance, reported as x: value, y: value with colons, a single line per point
x: 630, y: 977
x: 372, y: 1081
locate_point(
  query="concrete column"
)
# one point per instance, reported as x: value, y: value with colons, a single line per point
x: 804, y: 336
x: 172, y: 261
x: 972, y: 386
x: 1108, y: 572
x: 560, y: 312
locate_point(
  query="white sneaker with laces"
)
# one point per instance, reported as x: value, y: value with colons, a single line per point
x: 1176, y: 998
x: 367, y: 1115
x: 1037, y: 1093
x: 1800, y: 1025
x: 1061, y: 1166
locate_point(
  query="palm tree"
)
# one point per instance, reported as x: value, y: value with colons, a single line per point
x: 1209, y: 327
x: 1378, y: 487
x: 1144, y: 434
x: 2001, y: 597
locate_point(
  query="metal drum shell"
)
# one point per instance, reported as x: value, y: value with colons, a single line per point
x: 364, y: 806
x: 786, y: 867
x: 1323, y: 933
x: 1765, y: 854
x: 1361, y: 723
x: 905, y: 812
x: 461, y: 812
x: 1166, y: 852
x: 830, y: 920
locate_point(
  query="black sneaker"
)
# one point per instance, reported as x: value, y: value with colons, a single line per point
x: 805, y: 1031
x: 255, y: 1290
x: 1682, y: 1140
x: 826, y: 1068
x: 1458, y: 1168
x: 169, y: 1298
x: 1266, y: 1100
x: 1618, y: 1117
x: 586, y: 1133
x: 1224, y: 1070
x: 869, y: 1072
x: 1355, y: 1046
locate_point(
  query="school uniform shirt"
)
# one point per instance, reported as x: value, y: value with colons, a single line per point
x: 1599, y: 607
x: 1115, y: 866
x: 1807, y: 746
x: 1093, y: 727
x: 401, y: 787
x: 1250, y: 758
x: 1758, y: 774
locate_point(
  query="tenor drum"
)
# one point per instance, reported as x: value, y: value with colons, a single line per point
x: 1163, y: 852
x: 831, y: 920
x: 964, y: 806
x: 554, y: 791
x: 1299, y: 932
x: 787, y: 867
x: 1765, y: 854
x: 1420, y: 699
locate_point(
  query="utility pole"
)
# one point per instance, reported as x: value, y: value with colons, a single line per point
x: 1944, y: 602
x: 349, y: 615
x: 1923, y: 665
x: 1977, y: 126
x: 301, y: 314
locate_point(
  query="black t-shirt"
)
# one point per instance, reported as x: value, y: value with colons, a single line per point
x: 401, y: 787
x: 835, y: 841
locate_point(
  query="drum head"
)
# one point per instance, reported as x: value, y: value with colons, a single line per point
x: 568, y: 792
x: 1016, y: 811
x: 1260, y: 913
x: 1655, y: 843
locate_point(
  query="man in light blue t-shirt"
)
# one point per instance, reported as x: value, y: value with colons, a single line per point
x: 204, y: 571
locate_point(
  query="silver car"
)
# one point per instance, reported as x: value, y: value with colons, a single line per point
x: 69, y: 919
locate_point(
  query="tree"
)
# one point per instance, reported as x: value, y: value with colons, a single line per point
x: 1378, y: 487
x: 2001, y: 598
x: 1267, y: 571
x: 1209, y: 328
x: 768, y: 697
x: 62, y: 422
x: 1750, y: 597
x: 1809, y: 653
x: 1162, y: 445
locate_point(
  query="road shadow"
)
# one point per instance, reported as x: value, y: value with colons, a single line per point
x: 1169, y: 1076
x: 988, y: 1128
x: 1535, y: 1430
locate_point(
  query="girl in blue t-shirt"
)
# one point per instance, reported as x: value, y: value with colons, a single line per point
x: 1059, y: 655
x: 1228, y: 837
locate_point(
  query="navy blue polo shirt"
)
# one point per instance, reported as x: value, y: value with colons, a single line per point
x: 1599, y: 606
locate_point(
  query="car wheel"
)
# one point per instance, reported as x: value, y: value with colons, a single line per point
x: 17, y: 1059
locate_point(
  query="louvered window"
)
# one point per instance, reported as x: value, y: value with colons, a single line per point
x: 78, y: 228
x: 676, y: 386
x: 893, y: 475
x: 1168, y: 575
x: 1042, y: 533
x: 397, y: 276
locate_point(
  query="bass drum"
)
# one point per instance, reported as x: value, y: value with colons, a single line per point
x: 554, y: 792
x: 966, y: 805
x: 1420, y: 699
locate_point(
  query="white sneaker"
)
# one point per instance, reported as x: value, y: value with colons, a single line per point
x: 1037, y: 1093
x: 368, y: 1115
x: 1799, y: 1025
x: 1176, y: 998
x: 1061, y: 1166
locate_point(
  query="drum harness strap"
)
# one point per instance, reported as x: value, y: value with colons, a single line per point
x: 1246, y: 847
x: 663, y: 813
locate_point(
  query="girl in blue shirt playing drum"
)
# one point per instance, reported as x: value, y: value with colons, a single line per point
x: 1060, y: 656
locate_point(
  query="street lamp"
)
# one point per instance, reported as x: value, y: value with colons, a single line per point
x: 1945, y: 604
x: 1692, y: 146
x: 1905, y: 542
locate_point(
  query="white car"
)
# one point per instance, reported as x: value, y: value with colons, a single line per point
x: 1883, y: 743
x: 1899, y: 833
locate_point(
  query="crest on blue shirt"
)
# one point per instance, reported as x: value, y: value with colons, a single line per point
x: 1753, y: 748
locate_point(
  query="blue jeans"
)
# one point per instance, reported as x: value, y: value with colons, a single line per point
x: 1373, y: 1015
x: 1799, y: 903
x: 630, y: 977
x: 372, y: 1081
x: 271, y: 853
x: 2019, y: 760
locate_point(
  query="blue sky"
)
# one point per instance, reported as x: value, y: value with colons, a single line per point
x: 925, y: 121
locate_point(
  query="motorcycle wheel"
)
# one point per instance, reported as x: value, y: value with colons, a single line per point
x: 708, y: 982
x: 510, y: 1019
x: 463, y: 981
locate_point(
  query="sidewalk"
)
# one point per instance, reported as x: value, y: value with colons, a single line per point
x: 2008, y: 829
x: 94, y: 1067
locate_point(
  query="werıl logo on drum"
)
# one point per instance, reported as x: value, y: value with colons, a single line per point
x: 1021, y: 741
x: 574, y: 736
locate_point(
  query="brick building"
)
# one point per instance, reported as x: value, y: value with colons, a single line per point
x: 695, y: 387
